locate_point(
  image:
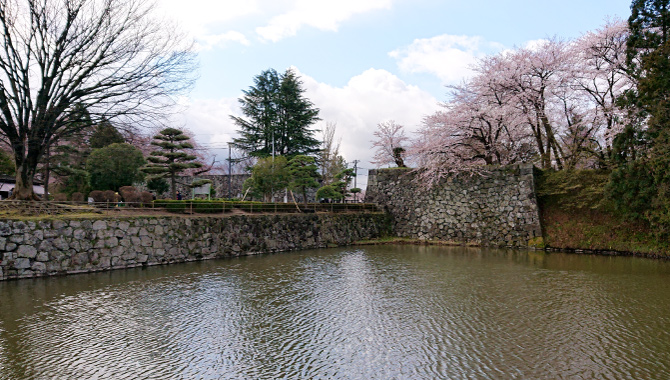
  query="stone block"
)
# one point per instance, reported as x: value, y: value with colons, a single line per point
x: 105, y: 262
x: 61, y: 243
x: 146, y: 241
x: 42, y: 257
x: 111, y: 242
x: 21, y: 263
x: 26, y: 251
x: 99, y: 225
x: 79, y: 234
x: 58, y: 224
x: 39, y: 267
x: 53, y: 266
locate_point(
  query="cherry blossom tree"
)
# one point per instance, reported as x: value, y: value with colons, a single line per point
x: 553, y: 103
x: 478, y: 127
x: 390, y: 138
x: 601, y: 75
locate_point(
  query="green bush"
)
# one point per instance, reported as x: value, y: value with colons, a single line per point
x: 631, y: 188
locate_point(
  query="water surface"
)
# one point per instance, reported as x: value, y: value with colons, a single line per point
x: 383, y: 312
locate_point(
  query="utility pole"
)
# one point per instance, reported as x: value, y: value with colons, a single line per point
x: 230, y: 172
x: 355, y: 176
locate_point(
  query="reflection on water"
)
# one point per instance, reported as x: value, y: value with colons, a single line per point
x: 374, y: 313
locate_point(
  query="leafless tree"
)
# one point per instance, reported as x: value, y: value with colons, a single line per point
x: 330, y: 160
x: 111, y: 57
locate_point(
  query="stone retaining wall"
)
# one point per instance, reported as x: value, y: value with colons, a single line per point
x: 498, y: 207
x: 53, y: 247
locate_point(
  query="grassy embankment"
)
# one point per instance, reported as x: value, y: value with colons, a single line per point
x: 575, y: 214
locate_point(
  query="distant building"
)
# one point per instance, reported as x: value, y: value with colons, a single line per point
x: 8, y: 182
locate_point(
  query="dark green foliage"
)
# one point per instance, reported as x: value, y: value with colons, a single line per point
x: 329, y: 192
x: 172, y: 157
x: 276, y: 112
x: 342, y: 181
x: 303, y: 172
x: 115, y: 166
x: 639, y: 186
x: 158, y: 185
x: 632, y: 189
x: 105, y: 134
x: 268, y: 176
x: 338, y: 189
x: 6, y: 163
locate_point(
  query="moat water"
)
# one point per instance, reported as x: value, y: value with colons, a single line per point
x: 382, y: 312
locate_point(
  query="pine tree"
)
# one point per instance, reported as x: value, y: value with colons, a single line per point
x: 277, y: 117
x: 303, y: 172
x: 171, y: 158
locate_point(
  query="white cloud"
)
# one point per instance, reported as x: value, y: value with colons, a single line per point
x: 448, y: 57
x: 208, y: 42
x: 200, y: 17
x: 209, y: 120
x: 367, y: 99
x: 322, y: 14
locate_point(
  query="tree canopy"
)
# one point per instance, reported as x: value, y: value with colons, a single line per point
x: 640, y: 186
x: 268, y: 176
x: 111, y: 57
x: 115, y: 166
x: 303, y: 174
x: 105, y: 134
x: 389, y: 144
x: 173, y: 156
x: 278, y: 118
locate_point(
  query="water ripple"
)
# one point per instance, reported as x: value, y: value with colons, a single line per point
x: 378, y: 313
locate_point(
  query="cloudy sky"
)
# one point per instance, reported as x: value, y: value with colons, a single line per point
x: 361, y: 61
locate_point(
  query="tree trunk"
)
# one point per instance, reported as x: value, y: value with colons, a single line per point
x: 23, y: 189
x: 173, y: 182
x: 46, y: 175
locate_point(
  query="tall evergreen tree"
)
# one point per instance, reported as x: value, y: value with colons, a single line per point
x: 648, y: 50
x: 171, y: 158
x: 277, y: 117
x: 105, y: 134
x: 641, y: 185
